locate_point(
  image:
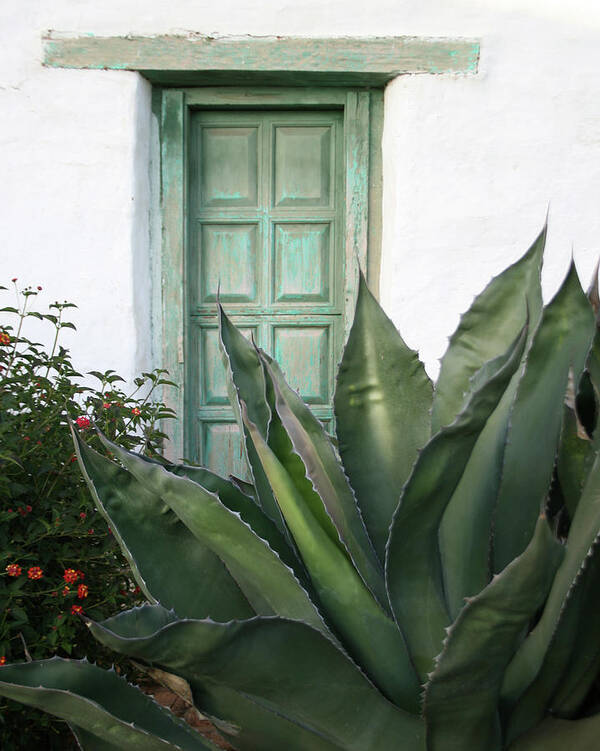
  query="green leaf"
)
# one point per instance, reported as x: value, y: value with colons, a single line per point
x: 561, y: 735
x: 268, y: 584
x: 319, y: 700
x: 369, y: 634
x: 465, y: 531
x: 246, y: 381
x: 575, y: 458
x: 585, y: 528
x: 157, y: 544
x: 571, y: 661
x: 99, y: 703
x: 560, y: 344
x: 382, y: 407
x: 413, y: 565
x: 509, y: 298
x: 467, y: 678
x: 235, y: 500
x: 323, y: 469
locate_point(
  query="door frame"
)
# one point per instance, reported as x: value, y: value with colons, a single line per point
x: 363, y: 127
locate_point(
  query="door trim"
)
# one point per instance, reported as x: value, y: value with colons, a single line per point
x: 363, y: 124
x: 195, y: 59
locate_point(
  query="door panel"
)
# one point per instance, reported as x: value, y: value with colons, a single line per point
x: 265, y: 228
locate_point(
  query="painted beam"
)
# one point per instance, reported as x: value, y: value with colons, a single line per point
x: 184, y: 60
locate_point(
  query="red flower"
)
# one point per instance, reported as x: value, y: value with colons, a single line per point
x: 136, y: 411
x: 4, y: 338
x: 80, y: 574
x: 66, y: 591
x: 73, y: 458
x: 14, y: 279
x: 90, y: 531
x: 82, y: 515
x: 82, y: 591
x: 26, y: 438
x: 39, y: 289
x: 10, y: 511
x: 3, y: 660
x: 76, y: 610
x: 13, y: 570
x: 106, y: 405
x: 35, y: 572
x: 29, y: 509
x: 54, y: 594
x: 83, y: 422
x: 70, y: 576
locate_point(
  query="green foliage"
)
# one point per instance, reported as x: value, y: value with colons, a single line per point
x: 47, y: 519
x: 430, y: 585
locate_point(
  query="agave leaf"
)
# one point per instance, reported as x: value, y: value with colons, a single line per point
x: 238, y: 501
x: 561, y: 344
x: 382, y: 407
x: 593, y: 369
x: 584, y: 530
x: 246, y: 381
x: 105, y: 711
x: 508, y: 298
x: 593, y: 292
x: 413, y: 565
x: 318, y: 700
x: 468, y: 674
x: 498, y: 472
x: 279, y: 442
x: 575, y: 458
x: 268, y: 584
x: 89, y: 742
x: 565, y: 676
x: 369, y: 634
x: 246, y: 487
x: 136, y: 514
x: 560, y: 735
x: 465, y: 531
x: 323, y: 469
x: 232, y: 497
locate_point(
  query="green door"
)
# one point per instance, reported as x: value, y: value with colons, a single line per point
x: 266, y: 211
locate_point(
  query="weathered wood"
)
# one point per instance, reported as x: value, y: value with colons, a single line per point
x: 264, y: 97
x: 185, y: 60
x: 172, y: 261
x: 375, y: 191
x: 357, y: 119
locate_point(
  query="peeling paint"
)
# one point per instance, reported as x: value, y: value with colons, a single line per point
x: 376, y: 59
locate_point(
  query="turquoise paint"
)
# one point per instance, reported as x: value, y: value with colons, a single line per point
x: 267, y: 225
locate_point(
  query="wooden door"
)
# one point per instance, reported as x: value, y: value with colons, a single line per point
x: 265, y: 224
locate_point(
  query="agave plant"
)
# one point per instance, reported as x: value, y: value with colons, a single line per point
x: 429, y: 580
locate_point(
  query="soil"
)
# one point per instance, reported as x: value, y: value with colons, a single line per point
x: 182, y: 709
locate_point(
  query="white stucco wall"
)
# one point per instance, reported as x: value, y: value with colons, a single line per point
x: 471, y: 163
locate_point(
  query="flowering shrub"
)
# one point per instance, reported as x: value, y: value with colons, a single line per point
x: 48, y: 574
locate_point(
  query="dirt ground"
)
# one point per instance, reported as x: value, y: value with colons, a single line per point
x: 182, y: 709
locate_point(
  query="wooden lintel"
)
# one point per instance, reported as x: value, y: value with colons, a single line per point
x: 171, y: 59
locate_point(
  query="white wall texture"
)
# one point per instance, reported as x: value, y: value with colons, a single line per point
x: 471, y: 163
